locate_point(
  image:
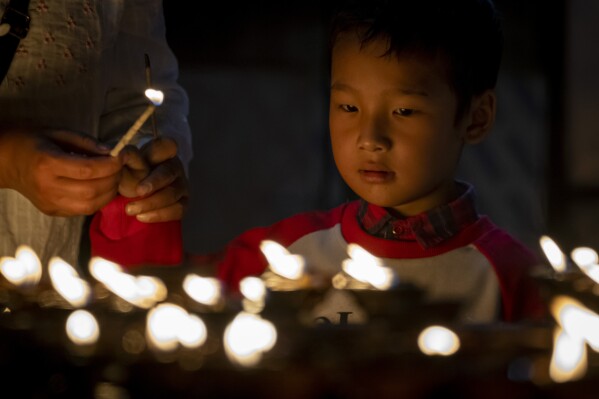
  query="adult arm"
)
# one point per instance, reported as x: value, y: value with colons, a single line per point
x: 142, y: 31
x: 63, y: 173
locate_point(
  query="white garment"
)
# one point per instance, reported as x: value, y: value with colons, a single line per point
x: 82, y: 68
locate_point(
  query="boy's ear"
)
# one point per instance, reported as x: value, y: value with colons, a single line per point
x: 482, y: 117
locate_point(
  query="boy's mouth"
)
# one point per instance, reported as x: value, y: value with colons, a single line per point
x: 376, y: 176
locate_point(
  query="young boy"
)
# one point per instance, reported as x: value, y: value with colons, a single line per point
x: 412, y: 83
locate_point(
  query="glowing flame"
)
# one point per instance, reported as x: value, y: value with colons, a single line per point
x: 437, y: 340
x: 155, y: 96
x: 253, y: 290
x: 82, y: 328
x: 204, y: 290
x: 584, y: 256
x: 247, y: 337
x: 24, y: 269
x: 569, y: 357
x: 141, y: 291
x: 578, y: 321
x: 67, y: 283
x: 367, y: 268
x: 281, y: 261
x: 554, y: 254
x: 168, y: 325
x: 587, y: 260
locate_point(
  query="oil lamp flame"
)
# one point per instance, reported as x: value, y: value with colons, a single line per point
x: 587, y: 260
x: 554, y: 254
x: 576, y: 320
x: 247, y: 337
x: 25, y: 269
x: 367, y: 268
x: 82, y: 328
x: 67, y: 283
x: 204, y: 290
x: 141, y: 291
x: 583, y: 256
x: 569, y: 358
x: 253, y: 288
x: 254, y: 291
x: 438, y: 340
x: 281, y: 261
x: 168, y: 325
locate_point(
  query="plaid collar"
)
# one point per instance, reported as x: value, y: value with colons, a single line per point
x: 429, y: 228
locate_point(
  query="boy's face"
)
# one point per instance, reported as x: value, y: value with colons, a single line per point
x: 393, y: 130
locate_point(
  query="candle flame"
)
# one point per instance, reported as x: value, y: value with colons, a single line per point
x: 155, y: 96
x: 67, y: 283
x: 247, y: 337
x: 82, y: 328
x: 281, y: 261
x: 554, y: 254
x: 367, y: 268
x: 25, y: 269
x: 204, y: 290
x: 438, y: 340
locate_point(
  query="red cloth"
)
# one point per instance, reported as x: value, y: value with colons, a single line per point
x: 322, y: 237
x: 123, y: 239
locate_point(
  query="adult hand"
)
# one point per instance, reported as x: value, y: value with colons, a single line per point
x: 164, y: 191
x: 135, y: 170
x: 63, y: 173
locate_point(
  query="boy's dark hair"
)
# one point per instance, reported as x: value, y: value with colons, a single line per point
x: 467, y: 35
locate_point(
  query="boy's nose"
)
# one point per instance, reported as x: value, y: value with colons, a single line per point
x: 373, y: 137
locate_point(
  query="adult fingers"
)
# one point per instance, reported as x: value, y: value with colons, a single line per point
x: 159, y: 150
x: 77, y: 142
x: 162, y: 176
x: 166, y: 197
x: 69, y: 198
x: 76, y: 166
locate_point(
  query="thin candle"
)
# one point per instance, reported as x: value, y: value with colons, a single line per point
x: 156, y: 97
x: 149, y: 84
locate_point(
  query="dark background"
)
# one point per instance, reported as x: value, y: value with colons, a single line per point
x: 257, y: 78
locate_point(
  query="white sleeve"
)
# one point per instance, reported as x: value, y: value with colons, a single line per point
x: 141, y: 30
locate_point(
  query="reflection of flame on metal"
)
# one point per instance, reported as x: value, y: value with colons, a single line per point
x: 587, y: 260
x: 82, y: 328
x: 25, y: 269
x: 365, y: 268
x: 67, y: 283
x: 281, y: 261
x: 168, y: 325
x: 204, y: 290
x: 254, y: 293
x: 247, y: 337
x: 141, y: 291
x: 438, y: 340
x: 554, y: 254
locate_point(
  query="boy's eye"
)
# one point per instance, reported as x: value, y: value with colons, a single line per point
x: 403, y: 111
x: 348, y: 108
